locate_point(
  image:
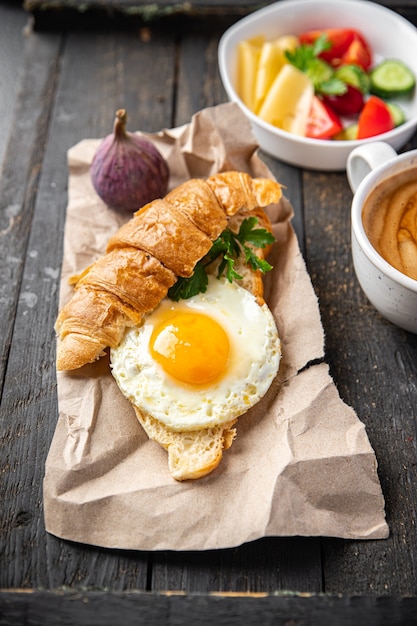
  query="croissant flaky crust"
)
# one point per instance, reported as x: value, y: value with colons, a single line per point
x: 161, y: 242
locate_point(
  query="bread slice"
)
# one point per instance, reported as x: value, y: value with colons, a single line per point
x: 193, y: 454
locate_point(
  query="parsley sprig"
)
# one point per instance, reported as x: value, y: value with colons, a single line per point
x: 228, y: 246
x: 305, y: 57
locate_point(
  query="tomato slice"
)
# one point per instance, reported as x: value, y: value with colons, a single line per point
x: 348, y: 46
x: 323, y: 122
x: 340, y: 39
x: 358, y: 53
x: 375, y: 118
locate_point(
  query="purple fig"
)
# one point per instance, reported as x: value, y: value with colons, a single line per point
x: 127, y: 170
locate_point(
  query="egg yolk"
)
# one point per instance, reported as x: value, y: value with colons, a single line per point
x: 191, y: 347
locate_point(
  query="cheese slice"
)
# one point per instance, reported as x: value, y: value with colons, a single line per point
x: 271, y: 61
x: 288, y: 102
x: 248, y: 55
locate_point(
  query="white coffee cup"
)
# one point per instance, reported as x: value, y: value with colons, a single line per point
x: 390, y: 291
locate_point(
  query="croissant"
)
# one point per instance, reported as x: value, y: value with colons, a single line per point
x: 161, y: 242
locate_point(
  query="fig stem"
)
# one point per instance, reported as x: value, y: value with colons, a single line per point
x: 119, y: 128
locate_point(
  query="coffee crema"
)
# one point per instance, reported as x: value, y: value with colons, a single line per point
x: 389, y: 217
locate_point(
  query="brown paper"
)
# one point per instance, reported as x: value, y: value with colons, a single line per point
x: 301, y: 464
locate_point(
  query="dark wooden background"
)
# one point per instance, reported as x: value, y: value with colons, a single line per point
x: 58, y: 85
x: 88, y: 13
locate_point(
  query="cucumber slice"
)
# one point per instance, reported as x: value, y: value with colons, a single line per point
x: 397, y: 113
x: 355, y: 76
x: 392, y: 79
x: 350, y: 133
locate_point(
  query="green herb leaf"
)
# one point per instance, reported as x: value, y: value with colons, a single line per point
x: 319, y: 72
x: 259, y: 237
x: 255, y: 262
x: 321, y: 44
x: 186, y: 288
x: 229, y: 246
x: 224, y: 244
x: 305, y: 54
x: 227, y: 267
x: 300, y: 57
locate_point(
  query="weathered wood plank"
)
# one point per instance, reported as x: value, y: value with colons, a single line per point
x: 24, y: 409
x: 21, y: 170
x: 266, y: 565
x: 104, y: 609
x: 20, y: 456
x: 97, y: 76
x: 273, y: 564
x: 291, y: 179
x: 56, y: 15
x: 199, y: 83
x: 374, y: 366
x: 12, y: 24
x: 52, y: 14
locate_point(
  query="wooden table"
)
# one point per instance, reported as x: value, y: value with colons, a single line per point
x: 60, y: 86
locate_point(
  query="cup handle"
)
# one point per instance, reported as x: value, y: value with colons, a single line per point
x: 366, y: 158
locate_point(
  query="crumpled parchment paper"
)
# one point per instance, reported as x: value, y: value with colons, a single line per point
x: 301, y: 464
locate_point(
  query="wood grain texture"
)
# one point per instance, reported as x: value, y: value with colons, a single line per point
x: 27, y: 390
x: 20, y: 174
x: 199, y: 82
x: 104, y: 609
x: 11, y: 67
x: 56, y: 14
x: 374, y: 366
x: 67, y: 86
x: 102, y: 75
x: 262, y: 566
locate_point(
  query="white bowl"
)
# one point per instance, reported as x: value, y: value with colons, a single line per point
x: 389, y: 35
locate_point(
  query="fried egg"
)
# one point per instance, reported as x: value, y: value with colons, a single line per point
x: 200, y: 362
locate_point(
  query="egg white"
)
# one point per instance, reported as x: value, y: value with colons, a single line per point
x: 253, y: 364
